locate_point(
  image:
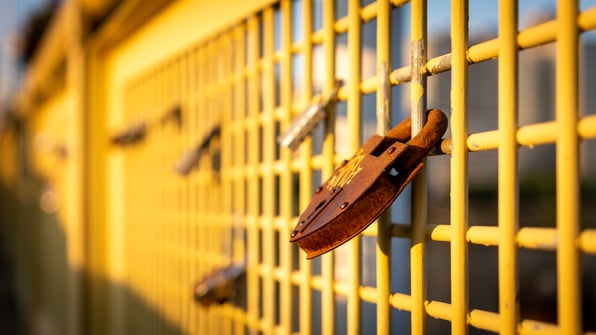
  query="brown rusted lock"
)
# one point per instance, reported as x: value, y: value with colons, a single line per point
x: 364, y: 186
x: 220, y: 286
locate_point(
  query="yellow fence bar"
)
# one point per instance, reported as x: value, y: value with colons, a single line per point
x: 354, y: 122
x: 534, y: 134
x: 327, y: 266
x: 567, y: 168
x: 383, y: 104
x: 418, y: 44
x: 587, y: 241
x: 252, y: 181
x: 459, y: 168
x: 528, y: 237
x: 507, y: 168
x: 306, y: 178
x: 286, y: 174
x: 267, y: 144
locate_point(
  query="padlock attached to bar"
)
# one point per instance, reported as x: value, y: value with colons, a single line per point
x: 306, y: 122
x: 190, y: 159
x: 220, y: 286
x: 136, y: 132
x: 365, y: 186
x: 173, y: 115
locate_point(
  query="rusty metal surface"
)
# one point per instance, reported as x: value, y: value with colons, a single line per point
x: 364, y: 186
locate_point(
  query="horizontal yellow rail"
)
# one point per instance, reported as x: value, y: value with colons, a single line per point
x: 535, y: 134
x: 528, y: 237
x: 528, y: 38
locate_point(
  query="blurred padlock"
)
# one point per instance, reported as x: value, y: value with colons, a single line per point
x: 190, y: 159
x: 306, y: 122
x: 134, y: 133
x: 174, y: 114
x: 220, y: 286
x: 138, y: 131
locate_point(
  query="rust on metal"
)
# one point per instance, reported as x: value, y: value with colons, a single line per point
x: 365, y: 186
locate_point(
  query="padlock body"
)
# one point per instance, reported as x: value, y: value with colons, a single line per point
x: 355, y: 195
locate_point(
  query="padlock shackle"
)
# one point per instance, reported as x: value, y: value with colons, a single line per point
x: 420, y: 145
x: 431, y: 132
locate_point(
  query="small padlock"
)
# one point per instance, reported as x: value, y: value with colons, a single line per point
x: 190, y: 159
x: 306, y: 122
x: 173, y: 115
x: 220, y: 286
x: 133, y: 134
x: 365, y: 186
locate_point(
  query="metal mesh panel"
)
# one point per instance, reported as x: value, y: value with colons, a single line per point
x: 241, y: 201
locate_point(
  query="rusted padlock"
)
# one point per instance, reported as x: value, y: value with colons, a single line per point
x: 364, y: 186
x: 220, y: 286
x: 306, y: 122
x: 133, y: 134
x: 190, y: 159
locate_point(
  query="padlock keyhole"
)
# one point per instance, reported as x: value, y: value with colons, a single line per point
x: 393, y: 172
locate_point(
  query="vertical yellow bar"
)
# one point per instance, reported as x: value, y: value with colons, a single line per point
x: 327, y: 262
x: 198, y: 206
x: 418, y: 42
x: 568, y: 281
x: 188, y: 124
x: 252, y: 92
x: 459, y: 166
x: 226, y: 152
x: 354, y: 122
x: 383, y: 251
x: 158, y: 202
x: 239, y: 158
x: 305, y: 307
x: 508, y: 183
x: 95, y: 202
x: 285, y: 198
x: 267, y: 176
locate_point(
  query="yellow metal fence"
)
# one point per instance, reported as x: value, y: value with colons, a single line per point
x: 464, y: 225
x: 251, y: 79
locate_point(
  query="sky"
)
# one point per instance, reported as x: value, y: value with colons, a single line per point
x: 12, y: 14
x: 482, y: 13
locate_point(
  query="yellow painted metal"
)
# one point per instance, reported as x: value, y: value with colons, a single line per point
x: 535, y: 327
x: 268, y: 297
x: 383, y: 105
x: 531, y: 135
x: 507, y: 168
x: 567, y: 167
x: 253, y: 184
x: 286, y: 175
x: 328, y: 150
x: 587, y: 241
x: 418, y: 44
x: 459, y: 168
x: 306, y: 176
x: 354, y: 122
x: 485, y: 320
